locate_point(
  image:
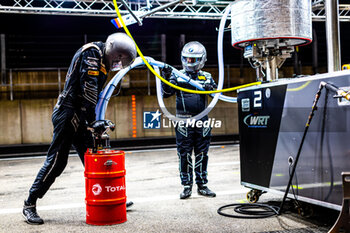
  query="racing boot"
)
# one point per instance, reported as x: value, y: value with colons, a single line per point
x: 187, y: 192
x: 205, y: 191
x: 129, y: 203
x: 30, y: 215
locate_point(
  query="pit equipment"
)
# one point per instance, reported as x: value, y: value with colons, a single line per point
x: 272, y: 116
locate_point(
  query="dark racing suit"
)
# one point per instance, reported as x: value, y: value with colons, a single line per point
x: 191, y: 137
x: 75, y: 109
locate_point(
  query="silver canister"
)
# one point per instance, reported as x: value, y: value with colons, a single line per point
x: 270, y: 21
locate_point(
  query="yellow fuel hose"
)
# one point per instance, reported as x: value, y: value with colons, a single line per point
x: 164, y: 80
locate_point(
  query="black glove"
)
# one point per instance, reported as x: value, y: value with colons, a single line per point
x: 173, y: 80
x: 110, y: 124
x: 101, y: 126
x: 166, y: 72
x: 208, y: 87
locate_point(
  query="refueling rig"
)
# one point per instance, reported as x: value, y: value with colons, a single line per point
x: 277, y: 154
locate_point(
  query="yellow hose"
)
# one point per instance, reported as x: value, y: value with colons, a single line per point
x: 164, y: 80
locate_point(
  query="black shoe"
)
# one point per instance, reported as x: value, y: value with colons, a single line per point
x: 30, y: 214
x: 187, y: 192
x: 205, y: 191
x: 129, y: 203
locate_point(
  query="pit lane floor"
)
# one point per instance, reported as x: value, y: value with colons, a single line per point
x: 153, y: 184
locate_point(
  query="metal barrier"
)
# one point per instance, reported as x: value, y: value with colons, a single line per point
x: 12, y: 85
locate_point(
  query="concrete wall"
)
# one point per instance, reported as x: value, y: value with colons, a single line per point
x: 10, y: 122
x: 26, y: 121
x: 29, y: 121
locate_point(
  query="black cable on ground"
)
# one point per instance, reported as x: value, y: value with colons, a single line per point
x: 250, y: 210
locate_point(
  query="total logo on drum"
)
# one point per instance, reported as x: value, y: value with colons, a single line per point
x: 97, y: 189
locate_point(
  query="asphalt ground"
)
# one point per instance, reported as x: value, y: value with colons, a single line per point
x: 153, y: 184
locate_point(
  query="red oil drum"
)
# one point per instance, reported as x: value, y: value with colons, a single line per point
x: 105, y: 187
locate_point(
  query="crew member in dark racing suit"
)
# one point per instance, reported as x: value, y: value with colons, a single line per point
x: 75, y: 110
x: 190, y: 137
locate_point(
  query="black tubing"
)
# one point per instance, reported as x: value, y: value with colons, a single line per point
x: 249, y: 210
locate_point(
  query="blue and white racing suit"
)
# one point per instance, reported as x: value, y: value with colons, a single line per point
x: 190, y: 137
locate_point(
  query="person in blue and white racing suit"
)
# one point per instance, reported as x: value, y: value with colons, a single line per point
x: 190, y: 137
